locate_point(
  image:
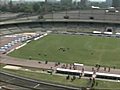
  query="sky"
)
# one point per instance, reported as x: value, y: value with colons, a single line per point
x: 58, y: 0
x: 97, y: 0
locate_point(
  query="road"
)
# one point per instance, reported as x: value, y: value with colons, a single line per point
x: 7, y: 86
x: 82, y: 15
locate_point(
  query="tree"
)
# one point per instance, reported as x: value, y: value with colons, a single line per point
x: 36, y: 7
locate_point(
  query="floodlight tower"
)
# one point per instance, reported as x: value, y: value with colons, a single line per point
x: 0, y: 2
x: 79, y: 8
x: 46, y: 1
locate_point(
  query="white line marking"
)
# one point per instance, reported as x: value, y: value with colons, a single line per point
x: 36, y: 86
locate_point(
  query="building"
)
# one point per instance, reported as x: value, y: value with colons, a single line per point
x: 109, y: 3
x: 21, y: 1
x: 4, y: 2
x: 84, y: 3
x: 116, y: 3
x: 52, y: 1
x: 1, y: 3
x: 66, y: 2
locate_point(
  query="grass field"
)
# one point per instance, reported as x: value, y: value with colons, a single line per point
x: 89, y: 50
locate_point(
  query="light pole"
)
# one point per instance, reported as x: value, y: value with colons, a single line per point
x: 52, y: 15
x: 45, y: 6
x: 104, y: 15
x: 79, y: 8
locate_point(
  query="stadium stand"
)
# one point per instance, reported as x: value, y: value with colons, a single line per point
x: 59, y: 25
x: 24, y: 28
x: 14, y: 29
x: 5, y: 31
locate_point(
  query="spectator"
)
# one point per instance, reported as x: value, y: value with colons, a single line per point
x: 96, y: 83
x: 30, y: 57
x: 39, y: 62
x: 93, y: 80
x: 46, y: 62
x: 80, y: 75
x: 104, y: 68
x: 92, y: 69
x: 74, y: 77
x: 96, y: 65
x: 90, y: 79
x: 94, y: 72
x: 109, y: 69
x: 58, y: 63
x: 39, y: 54
x: 114, y: 67
x: 82, y: 69
x: 98, y: 68
x: 68, y: 77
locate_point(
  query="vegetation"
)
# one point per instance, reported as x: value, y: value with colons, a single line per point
x: 39, y: 7
x: 88, y: 50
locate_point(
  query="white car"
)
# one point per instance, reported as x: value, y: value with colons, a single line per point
x: 112, y: 10
x: 2, y: 50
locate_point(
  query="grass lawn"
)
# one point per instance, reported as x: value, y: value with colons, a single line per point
x: 89, y: 50
x: 62, y: 80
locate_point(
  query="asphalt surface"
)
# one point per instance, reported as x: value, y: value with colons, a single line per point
x: 99, y: 15
x: 32, y: 84
x: 7, y: 86
x: 85, y: 15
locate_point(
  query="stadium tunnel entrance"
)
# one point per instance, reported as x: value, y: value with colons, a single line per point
x: 110, y: 29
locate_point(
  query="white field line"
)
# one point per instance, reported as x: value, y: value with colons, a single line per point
x: 41, y: 36
x: 36, y: 86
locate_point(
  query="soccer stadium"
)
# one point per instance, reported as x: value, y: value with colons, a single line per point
x: 73, y: 50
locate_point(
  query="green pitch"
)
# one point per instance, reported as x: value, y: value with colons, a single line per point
x: 89, y: 50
